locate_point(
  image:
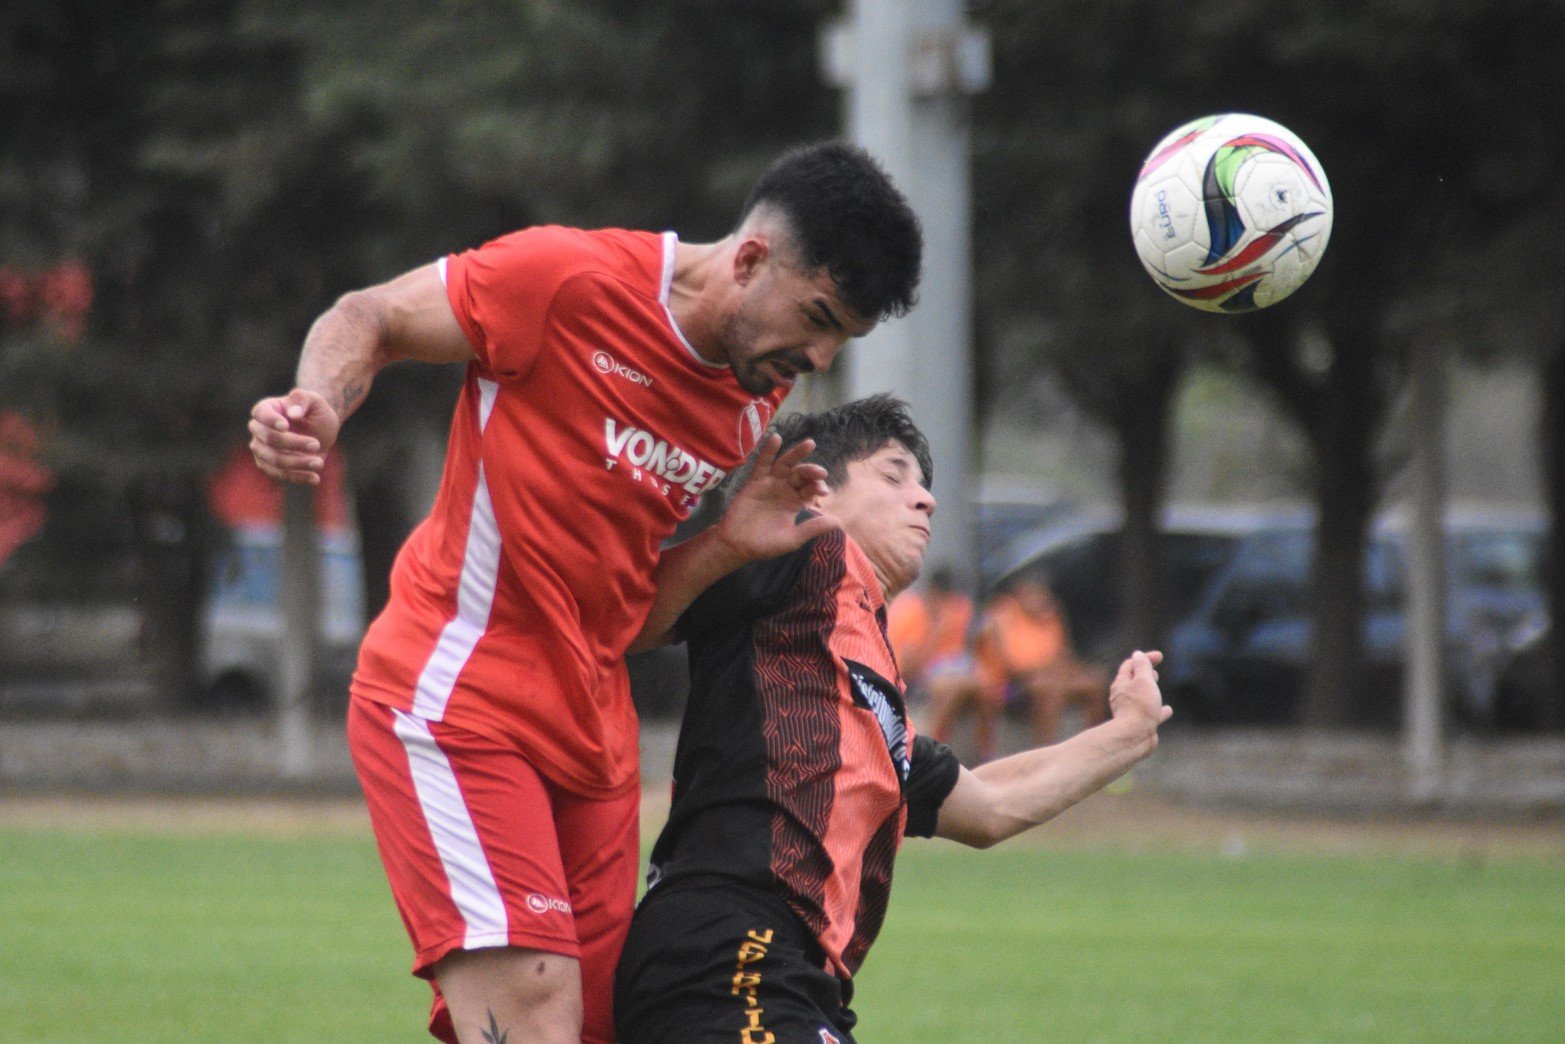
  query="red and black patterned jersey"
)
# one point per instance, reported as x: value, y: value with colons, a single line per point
x: 797, y: 769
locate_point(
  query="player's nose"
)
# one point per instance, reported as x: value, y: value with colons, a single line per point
x: 822, y: 353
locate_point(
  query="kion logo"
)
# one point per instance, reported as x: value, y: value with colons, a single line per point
x: 605, y: 363
x: 541, y: 904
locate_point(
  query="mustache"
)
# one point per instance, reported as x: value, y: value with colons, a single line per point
x: 796, y: 361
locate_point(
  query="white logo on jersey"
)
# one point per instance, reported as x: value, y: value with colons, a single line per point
x: 645, y: 452
x: 605, y: 363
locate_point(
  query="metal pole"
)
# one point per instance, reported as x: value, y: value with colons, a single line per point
x: 907, y: 67
x: 298, y: 601
x: 1423, y: 722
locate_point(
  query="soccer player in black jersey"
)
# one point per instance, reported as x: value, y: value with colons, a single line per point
x: 798, y: 773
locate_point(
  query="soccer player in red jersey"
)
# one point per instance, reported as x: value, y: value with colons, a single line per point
x: 798, y: 772
x: 613, y: 377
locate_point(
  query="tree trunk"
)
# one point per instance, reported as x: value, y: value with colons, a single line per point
x: 381, y: 506
x: 1551, y: 713
x: 1143, y: 442
x: 172, y: 535
x: 1335, y: 693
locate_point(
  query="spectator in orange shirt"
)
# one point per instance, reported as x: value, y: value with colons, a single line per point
x: 929, y: 632
x: 1023, y: 647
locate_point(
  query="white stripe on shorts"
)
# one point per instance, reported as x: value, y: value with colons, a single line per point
x: 473, y: 886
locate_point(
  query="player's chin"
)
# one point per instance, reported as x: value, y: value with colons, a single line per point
x: 752, y: 380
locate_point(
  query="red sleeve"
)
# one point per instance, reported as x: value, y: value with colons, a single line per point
x: 501, y: 293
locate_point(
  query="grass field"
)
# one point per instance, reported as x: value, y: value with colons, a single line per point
x: 190, y: 926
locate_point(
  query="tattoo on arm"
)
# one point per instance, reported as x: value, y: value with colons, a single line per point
x: 494, y: 1034
x: 342, y: 354
x: 352, y: 395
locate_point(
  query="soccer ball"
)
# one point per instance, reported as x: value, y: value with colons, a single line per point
x: 1230, y: 213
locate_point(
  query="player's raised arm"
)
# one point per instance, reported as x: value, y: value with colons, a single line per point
x: 1003, y: 798
x: 409, y: 317
x: 760, y: 522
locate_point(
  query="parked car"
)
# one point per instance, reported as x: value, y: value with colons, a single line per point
x: 1243, y: 655
x: 1527, y: 679
x: 1079, y: 559
x: 244, y: 624
x: 71, y: 628
x: 1007, y: 508
x: 70, y: 636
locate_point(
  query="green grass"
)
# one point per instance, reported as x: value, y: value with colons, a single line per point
x: 1026, y: 944
x: 127, y: 937
x: 130, y: 936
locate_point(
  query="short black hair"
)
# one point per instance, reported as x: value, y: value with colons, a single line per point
x: 854, y: 431
x: 846, y: 216
x: 842, y: 435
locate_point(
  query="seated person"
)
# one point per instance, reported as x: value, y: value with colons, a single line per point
x: 1022, y: 651
x: 798, y: 773
x: 929, y: 632
x: 1027, y: 642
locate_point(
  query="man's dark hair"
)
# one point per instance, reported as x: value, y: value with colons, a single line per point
x: 848, y: 218
x: 855, y: 431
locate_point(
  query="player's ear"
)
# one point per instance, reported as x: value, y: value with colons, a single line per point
x: 749, y: 256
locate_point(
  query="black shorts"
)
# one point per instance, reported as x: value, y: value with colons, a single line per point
x: 725, y: 962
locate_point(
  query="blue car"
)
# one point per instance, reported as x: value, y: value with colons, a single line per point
x: 1243, y: 655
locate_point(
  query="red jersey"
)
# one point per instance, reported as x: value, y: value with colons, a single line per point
x: 587, y: 429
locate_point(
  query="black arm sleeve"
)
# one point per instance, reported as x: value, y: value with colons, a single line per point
x: 748, y: 592
x: 929, y: 782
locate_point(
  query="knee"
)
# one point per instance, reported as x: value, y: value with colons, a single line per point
x: 546, y: 982
x: 536, y: 993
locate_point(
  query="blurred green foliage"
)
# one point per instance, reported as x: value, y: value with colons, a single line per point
x: 224, y: 168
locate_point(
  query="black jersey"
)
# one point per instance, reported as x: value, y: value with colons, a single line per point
x: 797, y: 770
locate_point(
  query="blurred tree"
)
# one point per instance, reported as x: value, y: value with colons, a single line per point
x: 498, y: 114
x: 222, y: 168
x: 147, y: 146
x: 1498, y: 301
x: 1056, y: 147
x: 1425, y: 118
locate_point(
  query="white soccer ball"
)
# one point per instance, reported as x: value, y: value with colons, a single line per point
x: 1230, y: 213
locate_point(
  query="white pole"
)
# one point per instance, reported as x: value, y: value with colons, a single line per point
x: 1423, y: 721
x: 907, y: 67
x: 298, y: 601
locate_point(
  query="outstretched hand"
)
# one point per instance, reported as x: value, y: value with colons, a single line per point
x: 1135, y: 691
x: 290, y: 435
x: 760, y: 522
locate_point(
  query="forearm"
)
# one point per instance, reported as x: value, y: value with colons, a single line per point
x: 344, y: 350
x: 683, y: 572
x: 1014, y: 794
x: 409, y: 317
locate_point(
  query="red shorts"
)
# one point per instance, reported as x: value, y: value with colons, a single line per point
x: 482, y: 851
